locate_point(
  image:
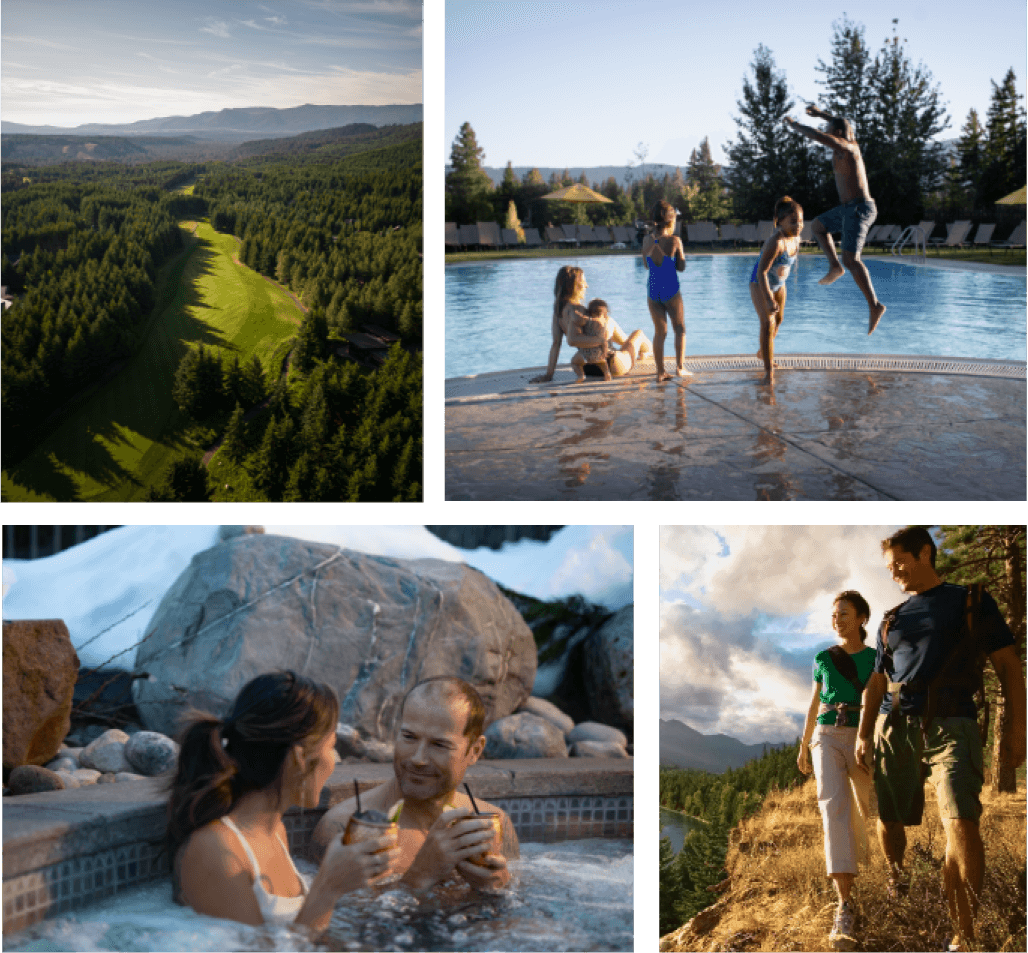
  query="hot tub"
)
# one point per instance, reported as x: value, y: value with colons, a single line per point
x: 98, y: 849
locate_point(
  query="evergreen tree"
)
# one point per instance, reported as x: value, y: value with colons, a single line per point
x: 848, y: 91
x: 185, y: 481
x: 971, y: 165
x: 513, y: 222
x: 671, y: 889
x: 708, y: 203
x: 234, y: 443
x: 1005, y: 142
x: 764, y: 153
x: 467, y: 184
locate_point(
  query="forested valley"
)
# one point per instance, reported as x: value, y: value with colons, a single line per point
x: 720, y: 801
x: 327, y: 405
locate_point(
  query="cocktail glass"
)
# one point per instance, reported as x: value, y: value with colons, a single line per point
x: 367, y: 827
x: 498, y: 838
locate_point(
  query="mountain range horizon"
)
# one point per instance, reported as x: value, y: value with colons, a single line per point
x: 236, y: 124
x: 685, y: 747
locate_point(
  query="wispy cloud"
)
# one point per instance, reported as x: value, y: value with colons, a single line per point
x: 743, y: 611
x: 218, y: 28
x: 268, y: 53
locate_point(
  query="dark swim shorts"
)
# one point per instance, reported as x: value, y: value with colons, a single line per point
x: 853, y: 219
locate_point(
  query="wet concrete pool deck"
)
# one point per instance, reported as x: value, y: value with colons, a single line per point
x: 834, y: 427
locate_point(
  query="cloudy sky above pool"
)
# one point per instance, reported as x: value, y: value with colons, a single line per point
x: 582, y: 82
x: 743, y: 611
x: 120, y: 61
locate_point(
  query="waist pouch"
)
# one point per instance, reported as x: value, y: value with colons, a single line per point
x: 841, y: 710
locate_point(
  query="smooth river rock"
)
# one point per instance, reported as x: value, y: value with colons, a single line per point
x: 594, y: 731
x: 106, y: 753
x: 597, y: 749
x: 524, y: 735
x: 151, y: 753
x: 31, y: 779
x: 549, y: 711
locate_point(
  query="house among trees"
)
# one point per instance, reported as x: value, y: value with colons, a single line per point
x: 5, y: 298
x: 386, y: 337
x: 370, y: 349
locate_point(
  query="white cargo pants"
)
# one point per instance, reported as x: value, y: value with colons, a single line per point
x: 843, y: 791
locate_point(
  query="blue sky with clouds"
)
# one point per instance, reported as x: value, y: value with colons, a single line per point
x: 120, y: 61
x: 743, y: 611
x: 581, y: 82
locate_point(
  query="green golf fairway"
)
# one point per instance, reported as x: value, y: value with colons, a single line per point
x: 119, y: 440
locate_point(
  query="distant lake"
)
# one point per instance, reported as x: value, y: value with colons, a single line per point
x: 676, y: 826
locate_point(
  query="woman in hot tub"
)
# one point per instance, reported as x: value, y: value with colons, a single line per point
x: 570, y: 317
x: 236, y: 777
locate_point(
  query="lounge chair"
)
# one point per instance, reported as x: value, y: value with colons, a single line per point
x: 510, y: 237
x: 1014, y: 240
x: 955, y: 235
x: 570, y: 234
x: 748, y: 233
x: 887, y: 235
x: 602, y: 233
x: 730, y: 233
x: 532, y: 239
x: 586, y: 233
x: 984, y: 234
x: 807, y: 234
x: 702, y: 232
x: 764, y: 230
x: 489, y: 234
x: 622, y: 233
x: 468, y: 235
x: 554, y: 234
x: 452, y: 235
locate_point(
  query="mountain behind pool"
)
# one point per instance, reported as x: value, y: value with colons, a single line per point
x: 684, y: 747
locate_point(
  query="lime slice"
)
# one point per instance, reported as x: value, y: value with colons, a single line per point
x: 394, y: 811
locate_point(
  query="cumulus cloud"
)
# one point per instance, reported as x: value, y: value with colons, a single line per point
x: 743, y: 611
x: 217, y: 28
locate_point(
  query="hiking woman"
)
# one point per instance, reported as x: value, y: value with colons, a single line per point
x: 843, y: 785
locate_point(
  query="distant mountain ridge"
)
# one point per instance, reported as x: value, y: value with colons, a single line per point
x: 237, y: 125
x: 325, y: 144
x: 684, y: 747
x: 600, y: 173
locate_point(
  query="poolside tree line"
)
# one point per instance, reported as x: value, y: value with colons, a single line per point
x: 896, y: 110
x: 81, y: 247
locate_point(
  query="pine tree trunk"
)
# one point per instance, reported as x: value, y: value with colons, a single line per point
x: 1004, y: 773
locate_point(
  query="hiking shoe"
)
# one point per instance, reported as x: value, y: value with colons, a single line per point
x: 841, y: 937
x: 897, y: 885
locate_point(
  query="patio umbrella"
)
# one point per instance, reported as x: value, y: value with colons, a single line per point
x: 576, y: 193
x: 1014, y: 198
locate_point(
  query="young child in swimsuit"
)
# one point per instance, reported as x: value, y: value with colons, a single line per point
x: 767, y: 281
x: 597, y: 322
x: 665, y: 257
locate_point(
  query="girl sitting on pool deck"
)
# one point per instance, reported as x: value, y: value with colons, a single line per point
x: 767, y: 282
x: 665, y: 257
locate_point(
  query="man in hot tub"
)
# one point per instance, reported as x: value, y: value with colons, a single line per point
x: 439, y: 737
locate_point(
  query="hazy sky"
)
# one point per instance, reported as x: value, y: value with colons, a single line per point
x: 122, y: 60
x: 582, y: 82
x: 743, y: 611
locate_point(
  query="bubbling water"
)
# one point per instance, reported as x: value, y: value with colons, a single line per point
x: 571, y: 896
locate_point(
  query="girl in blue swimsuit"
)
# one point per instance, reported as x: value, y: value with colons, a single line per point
x: 767, y: 282
x: 664, y: 257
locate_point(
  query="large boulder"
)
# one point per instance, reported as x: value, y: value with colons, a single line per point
x: 369, y: 626
x: 151, y: 753
x: 524, y: 735
x: 31, y: 779
x: 609, y: 670
x: 40, y: 668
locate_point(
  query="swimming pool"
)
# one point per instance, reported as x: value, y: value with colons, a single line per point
x: 498, y: 312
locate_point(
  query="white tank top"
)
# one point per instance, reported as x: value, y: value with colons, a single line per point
x: 274, y: 909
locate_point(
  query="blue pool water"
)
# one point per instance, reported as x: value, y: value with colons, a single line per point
x: 498, y: 313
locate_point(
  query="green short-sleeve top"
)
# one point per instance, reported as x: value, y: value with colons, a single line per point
x: 836, y: 689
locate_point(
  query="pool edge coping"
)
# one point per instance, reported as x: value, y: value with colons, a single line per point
x: 519, y: 386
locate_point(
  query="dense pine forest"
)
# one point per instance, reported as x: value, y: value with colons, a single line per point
x: 330, y: 413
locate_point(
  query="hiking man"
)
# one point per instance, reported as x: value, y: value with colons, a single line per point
x: 854, y: 216
x: 929, y: 663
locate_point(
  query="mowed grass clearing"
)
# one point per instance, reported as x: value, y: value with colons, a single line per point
x: 119, y: 441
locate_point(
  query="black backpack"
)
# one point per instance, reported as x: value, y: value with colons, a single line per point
x: 951, y: 674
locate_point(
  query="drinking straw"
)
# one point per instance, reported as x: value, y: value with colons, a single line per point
x: 357, y: 794
x: 472, y: 796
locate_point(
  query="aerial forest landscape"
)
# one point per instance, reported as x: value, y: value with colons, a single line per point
x: 222, y: 306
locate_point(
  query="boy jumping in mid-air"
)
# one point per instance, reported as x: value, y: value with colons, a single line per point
x: 854, y: 216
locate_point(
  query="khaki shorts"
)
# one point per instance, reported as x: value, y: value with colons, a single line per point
x: 951, y: 759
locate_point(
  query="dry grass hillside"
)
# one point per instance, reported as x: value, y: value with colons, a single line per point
x: 778, y: 897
